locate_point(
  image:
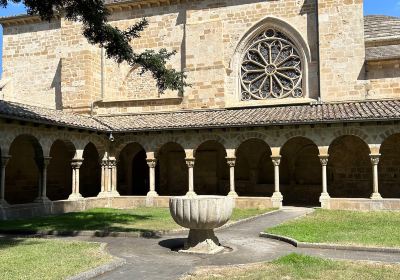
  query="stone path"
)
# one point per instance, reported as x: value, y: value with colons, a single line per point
x: 153, y: 259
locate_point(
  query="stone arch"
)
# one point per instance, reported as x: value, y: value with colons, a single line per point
x: 171, y: 170
x: 59, y: 171
x: 23, y: 171
x: 145, y: 142
x: 389, y: 167
x: 287, y: 29
x: 164, y: 140
x: 211, y: 173
x: 349, y: 169
x: 198, y: 141
x: 243, y: 137
x: 300, y: 133
x: 132, y: 169
x: 90, y: 171
x: 300, y: 171
x: 254, y: 172
x: 350, y: 131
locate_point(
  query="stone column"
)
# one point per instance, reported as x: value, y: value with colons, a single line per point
x: 324, y: 198
x: 375, y: 184
x: 231, y: 163
x: 105, y: 178
x: 277, y: 197
x: 190, y: 164
x: 76, y: 164
x: 42, y: 196
x: 113, y: 171
x: 152, y: 162
x: 4, y: 161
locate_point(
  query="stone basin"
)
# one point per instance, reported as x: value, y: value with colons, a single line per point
x: 201, y: 214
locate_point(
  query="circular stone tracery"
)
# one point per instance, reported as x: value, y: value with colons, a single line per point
x: 271, y: 68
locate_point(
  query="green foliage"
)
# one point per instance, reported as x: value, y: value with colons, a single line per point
x: 93, y: 15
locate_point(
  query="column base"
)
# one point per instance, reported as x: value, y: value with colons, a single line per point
x: 376, y: 196
x: 42, y: 199
x: 152, y: 194
x: 232, y: 194
x: 115, y: 193
x: 324, y: 199
x: 202, y: 241
x: 104, y: 194
x: 277, y: 199
x: 190, y: 194
x: 4, y: 203
x: 75, y: 196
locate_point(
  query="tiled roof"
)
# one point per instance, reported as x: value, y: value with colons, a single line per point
x: 382, y: 52
x: 35, y: 114
x: 223, y: 118
x: 381, y: 27
x: 266, y: 116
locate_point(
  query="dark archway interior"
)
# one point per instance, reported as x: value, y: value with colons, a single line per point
x: 172, y: 170
x: 349, y: 168
x: 90, y: 172
x: 23, y: 170
x: 59, y: 171
x: 300, y: 172
x: 254, y: 172
x: 140, y: 174
x: 211, y: 172
x: 389, y: 168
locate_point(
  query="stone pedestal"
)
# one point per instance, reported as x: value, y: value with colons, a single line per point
x: 201, y: 241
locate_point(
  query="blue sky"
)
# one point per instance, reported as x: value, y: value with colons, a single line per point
x: 381, y: 7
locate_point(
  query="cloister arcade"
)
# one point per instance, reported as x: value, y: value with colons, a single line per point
x: 302, y: 170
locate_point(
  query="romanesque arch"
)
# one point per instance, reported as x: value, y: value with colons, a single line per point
x: 23, y: 170
x: 59, y: 179
x: 349, y: 168
x: 389, y: 167
x: 172, y: 170
x: 300, y: 172
x: 211, y: 173
x: 90, y: 172
x: 133, y: 171
x: 254, y: 172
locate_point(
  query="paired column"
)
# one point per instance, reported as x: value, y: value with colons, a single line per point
x: 277, y: 197
x: 324, y: 198
x: 4, y: 161
x: 42, y: 195
x: 108, y: 178
x: 76, y: 165
x: 152, y: 162
x: 190, y: 164
x: 375, y: 182
x: 231, y: 163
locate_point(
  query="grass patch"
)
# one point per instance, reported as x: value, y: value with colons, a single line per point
x: 117, y: 220
x: 299, y: 267
x: 344, y: 227
x: 47, y: 259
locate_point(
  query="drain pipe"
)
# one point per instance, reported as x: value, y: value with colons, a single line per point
x: 102, y: 80
x: 318, y: 51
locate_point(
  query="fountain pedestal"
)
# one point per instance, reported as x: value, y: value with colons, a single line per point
x: 201, y: 214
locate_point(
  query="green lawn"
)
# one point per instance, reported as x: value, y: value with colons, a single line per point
x: 132, y: 220
x: 344, y: 227
x: 299, y: 267
x: 47, y: 259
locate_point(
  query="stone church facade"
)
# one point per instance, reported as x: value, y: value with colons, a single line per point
x: 292, y: 102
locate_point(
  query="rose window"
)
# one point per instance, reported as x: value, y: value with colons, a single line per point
x: 271, y: 68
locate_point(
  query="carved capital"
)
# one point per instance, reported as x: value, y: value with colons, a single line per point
x: 189, y: 162
x: 46, y: 161
x: 5, y: 160
x: 276, y: 160
x: 231, y: 161
x: 76, y: 163
x: 324, y: 159
x: 375, y: 159
x: 151, y: 162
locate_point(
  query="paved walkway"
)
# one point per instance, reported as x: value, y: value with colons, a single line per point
x: 153, y: 259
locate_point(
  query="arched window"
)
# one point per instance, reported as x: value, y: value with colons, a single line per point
x: 271, y: 68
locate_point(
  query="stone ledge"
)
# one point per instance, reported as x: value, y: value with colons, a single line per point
x: 299, y: 244
x: 115, y: 263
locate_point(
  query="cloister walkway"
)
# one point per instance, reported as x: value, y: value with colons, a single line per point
x: 153, y: 259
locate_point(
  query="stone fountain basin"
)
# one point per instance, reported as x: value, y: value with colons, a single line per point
x: 201, y: 214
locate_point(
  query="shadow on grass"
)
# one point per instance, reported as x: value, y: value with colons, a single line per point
x: 10, y: 241
x: 102, y: 222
